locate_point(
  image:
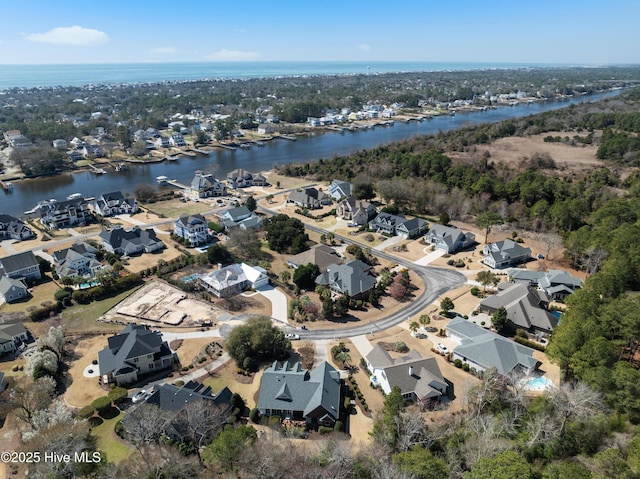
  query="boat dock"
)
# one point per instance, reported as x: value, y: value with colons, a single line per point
x: 228, y: 147
x: 97, y: 171
x: 184, y: 152
x: 6, y: 186
x: 288, y: 137
x: 201, y: 152
x: 165, y: 181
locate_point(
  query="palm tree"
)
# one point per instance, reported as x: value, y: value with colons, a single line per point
x: 424, y: 320
x: 343, y: 357
x: 413, y: 326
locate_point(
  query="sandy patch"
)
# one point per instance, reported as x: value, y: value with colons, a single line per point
x: 191, y: 350
x: 84, y: 390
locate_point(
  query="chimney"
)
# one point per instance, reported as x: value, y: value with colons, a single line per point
x: 410, y: 370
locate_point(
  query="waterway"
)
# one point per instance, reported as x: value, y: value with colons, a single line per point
x: 27, y: 193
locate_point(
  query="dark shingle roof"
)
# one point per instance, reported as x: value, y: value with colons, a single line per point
x: 134, y: 341
x: 18, y: 261
x: 173, y: 398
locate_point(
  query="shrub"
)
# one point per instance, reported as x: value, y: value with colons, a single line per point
x: 325, y: 430
x: 465, y: 367
x: 118, y: 395
x: 118, y: 428
x: 457, y: 363
x: 451, y: 262
x: 338, y: 426
x: 531, y: 344
x: 102, y: 404
x: 179, y: 383
x: 86, y: 412
x: 475, y: 291
x: 61, y: 294
x: 254, y: 415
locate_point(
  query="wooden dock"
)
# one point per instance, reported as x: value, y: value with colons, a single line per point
x: 184, y: 152
x: 97, y: 171
x: 288, y: 137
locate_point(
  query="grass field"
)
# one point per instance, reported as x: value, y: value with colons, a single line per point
x: 42, y: 293
x: 82, y: 317
x: 174, y: 208
x: 109, y: 443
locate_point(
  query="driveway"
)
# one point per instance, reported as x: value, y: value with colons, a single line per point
x: 430, y: 258
x: 278, y: 303
x: 394, y: 240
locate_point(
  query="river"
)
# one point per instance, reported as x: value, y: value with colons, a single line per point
x: 27, y: 193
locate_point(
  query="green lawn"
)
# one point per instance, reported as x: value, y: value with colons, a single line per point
x: 82, y: 317
x: 174, y: 208
x: 109, y: 443
x: 41, y: 294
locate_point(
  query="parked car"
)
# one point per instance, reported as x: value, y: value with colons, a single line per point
x: 139, y: 396
x: 431, y: 329
x: 292, y: 336
x: 442, y: 348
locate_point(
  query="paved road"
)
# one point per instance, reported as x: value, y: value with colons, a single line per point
x: 437, y: 282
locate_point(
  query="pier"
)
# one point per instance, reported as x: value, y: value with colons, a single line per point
x: 288, y: 137
x: 97, y: 171
x: 184, y: 152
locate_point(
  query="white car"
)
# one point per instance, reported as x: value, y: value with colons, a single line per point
x: 442, y: 348
x: 139, y: 396
x: 292, y: 336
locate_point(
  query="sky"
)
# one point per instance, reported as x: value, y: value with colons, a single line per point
x: 571, y: 32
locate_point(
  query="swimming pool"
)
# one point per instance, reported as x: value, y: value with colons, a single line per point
x: 190, y: 278
x: 538, y: 384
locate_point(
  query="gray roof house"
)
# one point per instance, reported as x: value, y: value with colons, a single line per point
x: 321, y: 255
x: 203, y: 186
x: 358, y: 212
x: 502, y: 254
x: 483, y: 350
x: 13, y: 228
x: 114, y: 203
x: 62, y: 214
x: 412, y: 228
x: 232, y: 279
x: 130, y: 242
x: 12, y: 289
x: 21, y: 265
x: 291, y: 392
x: 12, y: 334
x: 398, y: 225
x: 526, y: 307
x: 78, y: 260
x: 340, y: 189
x: 235, y: 215
x: 418, y: 378
x: 193, y: 228
x: 131, y: 353
x: 240, y: 178
x: 556, y: 283
x: 352, y: 278
x: 311, y: 198
x: 449, y: 238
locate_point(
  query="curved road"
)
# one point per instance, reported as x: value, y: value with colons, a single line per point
x: 437, y: 281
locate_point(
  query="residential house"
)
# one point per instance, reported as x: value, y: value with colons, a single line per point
x: 77, y: 261
x: 13, y: 228
x: 290, y: 392
x: 265, y: 129
x: 20, y: 266
x: 240, y: 178
x: 232, y: 279
x: 204, y: 186
x: 161, y: 142
x: 556, y: 283
x: 526, y: 307
x: 16, y: 139
x: 12, y: 289
x: 12, y: 335
x: 170, y: 400
x: 418, y: 378
x: 352, y: 278
x: 233, y: 216
x: 63, y: 214
x: 253, y: 222
x: 311, y: 198
x: 358, y: 212
x: 131, y: 242
x: 502, y: 254
x: 114, y: 203
x: 193, y: 228
x: 482, y: 349
x: 92, y: 151
x: 59, y: 143
x: 177, y: 139
x: 321, y: 255
x: 132, y: 353
x: 340, y: 189
x: 449, y: 238
x: 75, y: 155
x: 398, y: 225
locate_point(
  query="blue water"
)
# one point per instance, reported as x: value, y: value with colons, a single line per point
x: 540, y: 383
x: 190, y: 278
x: 28, y: 76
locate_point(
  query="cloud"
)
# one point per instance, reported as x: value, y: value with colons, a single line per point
x: 165, y: 50
x: 75, y: 35
x: 364, y: 47
x: 232, y: 55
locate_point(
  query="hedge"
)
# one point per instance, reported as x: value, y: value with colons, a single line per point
x: 531, y: 344
x: 102, y: 404
x: 118, y: 395
x: 86, y: 412
x: 254, y: 415
x: 45, y: 313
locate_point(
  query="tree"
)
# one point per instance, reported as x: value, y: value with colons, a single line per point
x: 446, y: 304
x: 499, y: 318
x: 506, y: 465
x: 32, y: 396
x: 54, y: 340
x: 414, y: 326
x: 424, y: 320
x: 219, y: 254
x: 485, y: 278
x: 258, y: 337
x: 226, y: 450
x: 363, y: 191
x: 486, y: 220
x: 444, y: 218
x: 341, y: 306
x: 251, y: 203
x: 327, y: 308
x: 305, y: 276
x: 285, y: 234
x: 144, y: 424
x: 200, y: 421
x: 43, y: 362
x: 384, y: 427
x: 285, y: 276
x: 421, y: 463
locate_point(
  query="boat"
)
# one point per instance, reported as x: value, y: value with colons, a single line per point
x: 121, y: 167
x: 6, y: 186
x: 74, y: 196
x: 245, y: 145
x: 162, y: 180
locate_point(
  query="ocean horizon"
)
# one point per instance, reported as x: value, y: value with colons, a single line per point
x: 78, y: 75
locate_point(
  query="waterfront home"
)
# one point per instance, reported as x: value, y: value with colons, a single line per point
x: 12, y: 335
x: 133, y: 352
x: 240, y: 178
x: 418, y: 378
x: 114, y: 203
x: 265, y: 129
x: 20, y: 266
x: 177, y: 139
x: 161, y: 142
x: 340, y: 189
x: 63, y: 214
x: 352, y: 278
x: 311, y: 198
x: 232, y: 279
x: 321, y: 255
x: 192, y: 228
x: 13, y: 228
x: 358, y: 212
x: 502, y: 254
x: 290, y: 392
x: 75, y: 155
x: 205, y: 185
x: 482, y: 349
x: 78, y: 260
x: 131, y: 242
x: 526, y: 307
x: 16, y: 139
x: 92, y: 151
x: 449, y: 238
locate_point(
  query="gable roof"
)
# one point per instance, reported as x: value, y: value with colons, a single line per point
x: 450, y: 235
x: 315, y: 393
x: 236, y: 213
x: 17, y: 262
x: 74, y: 251
x: 556, y: 278
x: 489, y: 349
x: 306, y: 196
x: 119, y: 237
x: 505, y: 250
x: 191, y: 220
x: 173, y: 398
x: 321, y: 255
x: 343, y: 188
x: 7, y: 283
x: 351, y: 278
